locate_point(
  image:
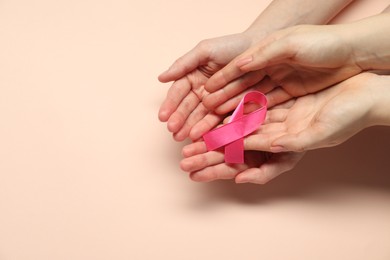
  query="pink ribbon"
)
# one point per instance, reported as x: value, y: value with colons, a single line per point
x: 232, y: 134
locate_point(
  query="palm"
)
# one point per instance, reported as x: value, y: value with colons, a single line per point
x: 291, y: 118
x: 323, y: 119
x: 298, y: 81
x: 182, y: 107
x: 259, y: 167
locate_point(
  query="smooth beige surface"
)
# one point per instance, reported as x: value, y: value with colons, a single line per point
x: 88, y: 172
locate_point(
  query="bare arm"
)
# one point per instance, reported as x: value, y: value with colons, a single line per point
x: 386, y: 10
x: 285, y: 13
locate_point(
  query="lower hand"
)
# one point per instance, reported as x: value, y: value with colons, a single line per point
x: 182, y: 108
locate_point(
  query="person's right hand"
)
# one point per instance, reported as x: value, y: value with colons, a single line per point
x: 182, y: 107
x: 300, y: 60
x: 318, y: 120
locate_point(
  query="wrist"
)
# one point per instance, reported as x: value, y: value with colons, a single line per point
x: 281, y: 14
x: 379, y: 91
x: 369, y: 39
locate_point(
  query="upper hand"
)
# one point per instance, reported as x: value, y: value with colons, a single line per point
x: 300, y: 60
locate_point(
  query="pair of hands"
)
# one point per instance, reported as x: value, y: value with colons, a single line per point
x: 289, y: 63
x: 323, y: 119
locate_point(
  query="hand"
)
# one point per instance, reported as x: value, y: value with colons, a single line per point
x: 259, y: 167
x: 300, y: 60
x: 182, y: 107
x: 323, y: 119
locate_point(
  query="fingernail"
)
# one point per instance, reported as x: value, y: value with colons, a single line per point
x: 277, y: 149
x: 162, y: 73
x: 163, y: 116
x: 243, y: 61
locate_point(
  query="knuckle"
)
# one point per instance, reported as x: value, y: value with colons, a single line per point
x: 203, y: 45
x: 201, y: 161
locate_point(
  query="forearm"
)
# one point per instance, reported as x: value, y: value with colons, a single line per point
x: 386, y: 10
x: 285, y: 13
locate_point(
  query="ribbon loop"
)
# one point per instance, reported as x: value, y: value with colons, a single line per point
x: 232, y: 134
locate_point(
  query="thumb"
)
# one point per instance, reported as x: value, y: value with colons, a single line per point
x: 307, y: 139
x: 185, y: 64
x: 266, y: 54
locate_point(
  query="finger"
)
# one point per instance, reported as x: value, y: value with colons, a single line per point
x: 262, y: 138
x: 278, y: 96
x: 232, y: 89
x: 185, y: 64
x: 176, y: 93
x: 220, y: 171
x: 276, y: 116
x: 201, y: 161
x: 279, y: 73
x: 287, y: 77
x: 197, y: 115
x: 310, y: 138
x: 255, y: 58
x: 277, y: 164
x: 264, y: 86
x: 258, y: 142
x: 222, y: 77
x: 275, y: 96
x: 229, y: 105
x: 266, y: 55
x: 285, y: 105
x: 179, y: 117
x: 226, y: 120
x: 204, y: 125
x: 272, y: 129
x: 194, y: 149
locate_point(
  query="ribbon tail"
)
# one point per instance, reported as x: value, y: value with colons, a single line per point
x: 234, y: 152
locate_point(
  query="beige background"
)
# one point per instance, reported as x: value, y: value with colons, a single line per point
x: 88, y: 172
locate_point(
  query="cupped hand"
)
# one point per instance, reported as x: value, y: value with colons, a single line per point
x: 182, y: 107
x: 323, y: 119
x: 259, y: 167
x: 301, y: 60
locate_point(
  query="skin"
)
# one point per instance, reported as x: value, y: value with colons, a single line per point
x: 284, y: 63
x: 323, y: 119
x: 183, y: 109
x: 305, y: 59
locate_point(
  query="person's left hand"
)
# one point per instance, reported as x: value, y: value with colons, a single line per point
x: 323, y: 119
x: 182, y: 107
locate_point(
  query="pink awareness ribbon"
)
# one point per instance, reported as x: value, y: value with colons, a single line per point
x: 240, y: 125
